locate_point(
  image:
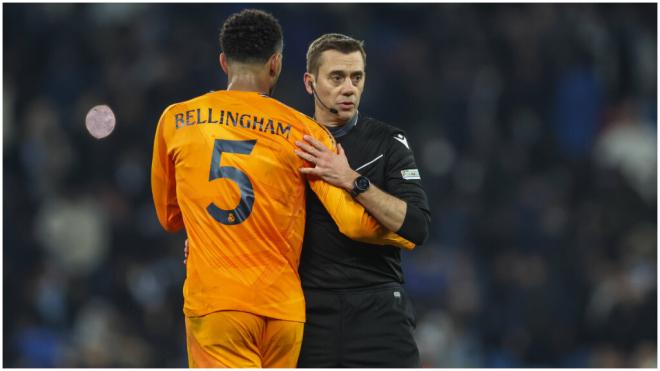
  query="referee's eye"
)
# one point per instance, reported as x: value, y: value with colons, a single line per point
x: 356, y: 78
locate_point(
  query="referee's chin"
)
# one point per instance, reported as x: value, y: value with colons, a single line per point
x: 344, y: 116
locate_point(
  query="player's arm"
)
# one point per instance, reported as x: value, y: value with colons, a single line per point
x: 351, y: 218
x: 406, y: 212
x: 163, y: 183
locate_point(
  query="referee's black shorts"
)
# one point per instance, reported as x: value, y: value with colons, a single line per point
x: 371, y: 327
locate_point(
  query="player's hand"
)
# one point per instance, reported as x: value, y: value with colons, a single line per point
x: 329, y: 166
x: 185, y: 252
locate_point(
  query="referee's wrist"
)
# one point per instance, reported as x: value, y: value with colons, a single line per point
x: 350, y: 180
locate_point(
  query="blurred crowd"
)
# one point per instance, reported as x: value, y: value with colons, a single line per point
x: 534, y: 127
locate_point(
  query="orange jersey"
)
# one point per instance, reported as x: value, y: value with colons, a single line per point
x: 224, y: 168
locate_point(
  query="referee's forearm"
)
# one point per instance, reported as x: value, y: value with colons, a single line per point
x: 387, y: 209
x: 407, y: 220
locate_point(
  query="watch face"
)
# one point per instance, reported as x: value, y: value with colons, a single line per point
x: 362, y: 183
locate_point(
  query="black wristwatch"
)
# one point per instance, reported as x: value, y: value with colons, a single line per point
x: 360, y: 184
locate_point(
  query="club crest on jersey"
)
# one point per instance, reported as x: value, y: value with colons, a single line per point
x: 409, y: 174
x: 402, y: 140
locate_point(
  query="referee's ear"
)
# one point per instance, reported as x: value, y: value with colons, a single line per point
x: 308, y: 80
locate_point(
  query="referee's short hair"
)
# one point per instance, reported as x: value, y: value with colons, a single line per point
x: 332, y: 41
x: 251, y: 36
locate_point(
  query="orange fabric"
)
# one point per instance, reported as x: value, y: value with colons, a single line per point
x: 224, y: 167
x: 281, y: 343
x: 242, y: 340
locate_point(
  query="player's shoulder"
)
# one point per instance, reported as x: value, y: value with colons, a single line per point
x: 296, y: 117
x: 304, y: 119
x: 176, y: 106
x: 281, y: 105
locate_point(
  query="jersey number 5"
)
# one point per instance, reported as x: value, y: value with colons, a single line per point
x: 244, y: 208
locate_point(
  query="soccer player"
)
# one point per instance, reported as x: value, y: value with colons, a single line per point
x: 224, y: 168
x: 358, y: 314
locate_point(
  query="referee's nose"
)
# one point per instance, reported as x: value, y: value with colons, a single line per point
x: 348, y: 88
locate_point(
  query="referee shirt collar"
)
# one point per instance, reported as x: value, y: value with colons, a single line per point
x: 340, y: 131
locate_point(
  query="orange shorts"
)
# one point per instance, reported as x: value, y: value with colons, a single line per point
x: 240, y: 339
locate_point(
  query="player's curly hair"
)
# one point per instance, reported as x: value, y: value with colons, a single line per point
x: 332, y: 41
x: 251, y: 36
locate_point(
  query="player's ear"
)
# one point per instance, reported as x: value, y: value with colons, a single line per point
x: 275, y: 64
x: 308, y: 80
x: 223, y: 63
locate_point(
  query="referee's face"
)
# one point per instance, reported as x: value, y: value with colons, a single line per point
x: 339, y: 85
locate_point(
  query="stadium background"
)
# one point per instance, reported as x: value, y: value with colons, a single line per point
x: 534, y: 127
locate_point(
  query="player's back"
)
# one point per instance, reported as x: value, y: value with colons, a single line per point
x: 241, y: 197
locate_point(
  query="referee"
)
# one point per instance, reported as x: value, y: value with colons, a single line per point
x: 358, y: 314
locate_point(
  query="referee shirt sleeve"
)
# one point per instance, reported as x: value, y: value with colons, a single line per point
x: 403, y: 180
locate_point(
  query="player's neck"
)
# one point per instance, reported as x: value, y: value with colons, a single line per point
x: 249, y: 81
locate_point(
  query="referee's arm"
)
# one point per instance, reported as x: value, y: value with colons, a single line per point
x: 387, y: 209
x: 403, y: 211
x: 403, y: 206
